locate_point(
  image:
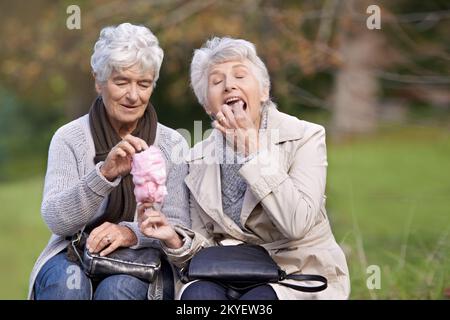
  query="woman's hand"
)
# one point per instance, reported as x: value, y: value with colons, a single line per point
x: 108, y: 237
x: 238, y: 128
x: 118, y: 161
x: 154, y: 224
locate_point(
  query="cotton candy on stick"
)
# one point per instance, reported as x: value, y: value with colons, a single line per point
x: 149, y: 176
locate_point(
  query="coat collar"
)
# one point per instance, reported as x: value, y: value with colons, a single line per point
x: 287, y: 127
x: 203, y: 179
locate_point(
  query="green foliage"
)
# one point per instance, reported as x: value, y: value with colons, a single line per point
x: 25, y: 132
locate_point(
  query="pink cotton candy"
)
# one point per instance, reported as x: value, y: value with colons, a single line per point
x: 150, y: 190
x: 149, y: 175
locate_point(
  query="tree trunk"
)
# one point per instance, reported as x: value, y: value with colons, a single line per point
x: 356, y: 86
x: 81, y: 94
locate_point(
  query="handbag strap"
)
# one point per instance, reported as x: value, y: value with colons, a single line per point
x: 74, y: 245
x: 305, y: 277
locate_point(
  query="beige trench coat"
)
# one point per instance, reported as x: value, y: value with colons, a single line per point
x: 283, y: 209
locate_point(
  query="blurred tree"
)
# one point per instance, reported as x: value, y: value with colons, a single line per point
x: 52, y: 62
x: 356, y: 86
x: 369, y: 56
x: 320, y: 54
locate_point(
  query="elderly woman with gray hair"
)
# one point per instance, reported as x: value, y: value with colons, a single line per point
x: 88, y: 183
x: 259, y: 178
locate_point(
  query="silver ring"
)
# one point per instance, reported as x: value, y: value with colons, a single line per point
x: 108, y: 238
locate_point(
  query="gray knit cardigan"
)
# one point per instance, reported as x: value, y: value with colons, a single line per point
x: 75, y: 192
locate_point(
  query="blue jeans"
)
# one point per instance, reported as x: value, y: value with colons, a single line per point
x: 207, y: 290
x: 61, y: 279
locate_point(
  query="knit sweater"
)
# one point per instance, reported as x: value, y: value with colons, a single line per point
x: 233, y: 185
x: 75, y: 192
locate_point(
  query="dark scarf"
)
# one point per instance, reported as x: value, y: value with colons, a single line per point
x: 122, y: 203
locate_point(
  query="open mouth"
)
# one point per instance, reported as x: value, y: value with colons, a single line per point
x: 236, y: 102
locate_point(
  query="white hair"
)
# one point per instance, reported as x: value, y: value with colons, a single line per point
x: 219, y: 50
x: 120, y: 47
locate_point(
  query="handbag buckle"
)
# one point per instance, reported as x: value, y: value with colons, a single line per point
x: 75, y: 242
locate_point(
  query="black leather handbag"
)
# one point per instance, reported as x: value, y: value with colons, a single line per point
x: 144, y: 263
x: 242, y: 267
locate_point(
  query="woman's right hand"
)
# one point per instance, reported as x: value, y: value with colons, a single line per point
x: 118, y: 160
x: 154, y: 224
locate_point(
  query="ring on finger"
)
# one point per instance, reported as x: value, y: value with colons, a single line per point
x: 108, y: 238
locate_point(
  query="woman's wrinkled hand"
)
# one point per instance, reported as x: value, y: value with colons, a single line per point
x: 154, y: 224
x: 238, y: 128
x: 108, y: 237
x: 118, y: 160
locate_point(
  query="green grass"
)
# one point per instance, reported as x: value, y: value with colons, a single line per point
x: 388, y: 202
x: 23, y: 235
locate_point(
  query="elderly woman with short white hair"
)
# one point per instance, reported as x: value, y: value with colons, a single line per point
x: 263, y: 183
x: 88, y: 184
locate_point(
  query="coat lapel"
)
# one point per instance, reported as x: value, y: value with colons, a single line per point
x: 284, y: 132
x: 203, y: 179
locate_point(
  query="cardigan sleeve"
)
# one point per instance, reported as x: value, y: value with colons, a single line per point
x: 71, y: 198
